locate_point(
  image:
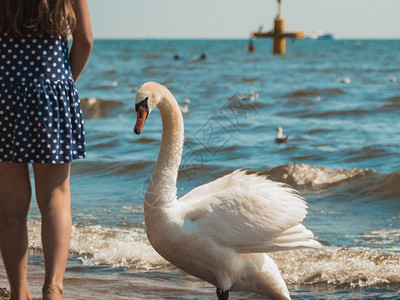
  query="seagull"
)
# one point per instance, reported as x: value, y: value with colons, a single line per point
x: 345, y: 80
x: 280, y: 139
x: 184, y: 109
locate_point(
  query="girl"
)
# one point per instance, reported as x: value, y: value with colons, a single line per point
x: 40, y: 123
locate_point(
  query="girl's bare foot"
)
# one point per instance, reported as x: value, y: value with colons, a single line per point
x: 52, y: 292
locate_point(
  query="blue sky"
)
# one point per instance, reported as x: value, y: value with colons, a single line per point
x: 237, y: 18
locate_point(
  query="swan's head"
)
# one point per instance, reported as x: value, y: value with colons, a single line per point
x: 147, y: 98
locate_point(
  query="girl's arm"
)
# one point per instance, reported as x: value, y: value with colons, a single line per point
x: 82, y: 39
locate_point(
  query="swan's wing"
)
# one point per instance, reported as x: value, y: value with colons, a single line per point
x: 248, y: 213
x: 212, y: 188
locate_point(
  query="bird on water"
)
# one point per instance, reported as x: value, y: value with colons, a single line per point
x: 220, y: 231
x: 280, y: 139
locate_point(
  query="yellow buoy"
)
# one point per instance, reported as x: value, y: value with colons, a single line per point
x: 279, y: 40
x: 278, y: 35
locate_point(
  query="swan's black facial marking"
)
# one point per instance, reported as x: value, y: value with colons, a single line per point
x: 142, y: 109
x: 143, y: 104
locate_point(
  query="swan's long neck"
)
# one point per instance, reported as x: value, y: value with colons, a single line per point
x: 162, y: 187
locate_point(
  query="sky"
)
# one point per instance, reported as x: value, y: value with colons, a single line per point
x: 198, y: 19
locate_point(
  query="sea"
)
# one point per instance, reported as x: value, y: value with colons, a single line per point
x: 338, y: 100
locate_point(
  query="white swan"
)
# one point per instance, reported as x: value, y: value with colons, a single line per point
x: 218, y: 231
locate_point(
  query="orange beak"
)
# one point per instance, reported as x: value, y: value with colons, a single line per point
x: 141, y: 118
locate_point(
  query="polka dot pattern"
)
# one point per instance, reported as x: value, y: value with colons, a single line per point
x: 40, y: 113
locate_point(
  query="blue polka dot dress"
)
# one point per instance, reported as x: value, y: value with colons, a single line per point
x: 40, y: 113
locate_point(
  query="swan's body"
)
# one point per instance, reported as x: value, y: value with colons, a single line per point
x: 280, y: 139
x: 219, y: 231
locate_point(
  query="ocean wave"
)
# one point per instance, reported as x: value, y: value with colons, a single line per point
x: 364, y: 182
x: 307, y: 175
x: 387, y: 238
x: 340, y: 267
x: 106, y: 85
x: 391, y: 107
x: 97, y: 245
x: 393, y: 100
x: 336, y: 113
x: 249, y: 79
x: 320, y: 130
x: 367, y: 152
x: 94, y: 108
x: 115, y: 247
x: 386, y: 186
x: 151, y: 56
x: 109, y: 168
x: 351, y: 267
x: 144, y: 140
x: 329, y: 92
x: 306, y: 97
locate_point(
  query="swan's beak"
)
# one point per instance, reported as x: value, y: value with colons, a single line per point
x: 141, y: 118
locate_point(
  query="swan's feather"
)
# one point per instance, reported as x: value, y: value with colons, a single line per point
x: 249, y: 213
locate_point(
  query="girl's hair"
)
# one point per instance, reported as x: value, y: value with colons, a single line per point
x: 20, y: 18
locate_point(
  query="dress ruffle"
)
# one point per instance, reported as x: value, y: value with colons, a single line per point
x: 40, y: 122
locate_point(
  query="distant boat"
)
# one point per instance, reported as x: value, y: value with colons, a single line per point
x: 320, y: 35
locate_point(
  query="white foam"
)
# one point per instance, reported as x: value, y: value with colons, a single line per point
x: 339, y: 267
x: 116, y: 247
x: 352, y: 267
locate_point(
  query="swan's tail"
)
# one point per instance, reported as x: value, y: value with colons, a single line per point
x: 297, y: 237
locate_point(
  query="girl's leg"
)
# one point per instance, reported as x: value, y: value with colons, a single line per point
x: 54, y: 201
x: 15, y: 197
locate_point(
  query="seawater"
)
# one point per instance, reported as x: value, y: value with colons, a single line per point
x: 338, y: 100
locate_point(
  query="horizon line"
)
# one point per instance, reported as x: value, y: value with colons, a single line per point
x: 230, y: 38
